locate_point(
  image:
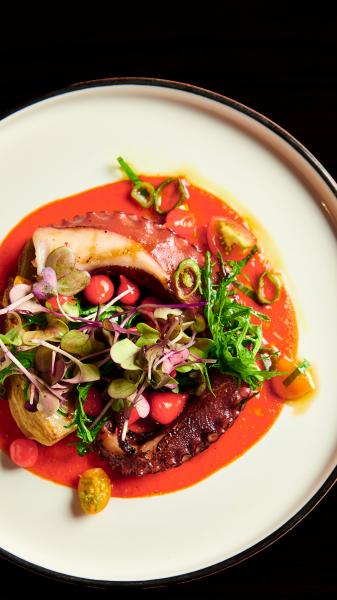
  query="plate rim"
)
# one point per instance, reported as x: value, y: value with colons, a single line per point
x: 330, y: 182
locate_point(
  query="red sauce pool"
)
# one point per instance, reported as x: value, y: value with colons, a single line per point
x: 60, y: 463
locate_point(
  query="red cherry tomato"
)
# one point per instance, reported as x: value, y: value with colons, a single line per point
x: 99, y: 290
x: 93, y: 403
x: 150, y: 300
x: 134, y: 416
x: 23, y: 452
x: 142, y: 425
x: 182, y: 222
x: 148, y: 311
x: 52, y: 302
x: 133, y: 296
x: 166, y: 406
x: 230, y: 238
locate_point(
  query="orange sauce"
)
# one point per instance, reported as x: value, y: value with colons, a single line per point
x: 60, y: 463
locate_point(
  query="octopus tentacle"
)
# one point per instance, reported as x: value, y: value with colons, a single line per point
x: 201, y: 423
x: 123, y: 443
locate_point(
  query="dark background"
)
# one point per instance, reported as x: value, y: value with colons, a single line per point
x: 284, y: 67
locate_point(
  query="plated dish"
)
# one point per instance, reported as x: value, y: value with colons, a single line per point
x: 146, y: 331
x: 162, y: 340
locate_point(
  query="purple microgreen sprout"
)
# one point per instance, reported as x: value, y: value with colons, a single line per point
x: 25, y: 303
x: 18, y: 291
x: 142, y: 406
x: 172, y: 360
x: 46, y: 404
x: 87, y: 372
x: 113, y: 301
x: 32, y: 390
x: 124, y: 430
x: 47, y: 286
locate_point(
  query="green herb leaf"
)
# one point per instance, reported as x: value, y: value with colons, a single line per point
x: 72, y: 309
x: 121, y: 388
x: 149, y: 335
x: 76, y: 342
x: 54, y: 332
x: 26, y: 358
x: 124, y: 353
x: 84, y: 431
x: 73, y: 283
x: 118, y: 405
x: 164, y: 312
x: 39, y: 319
x: 13, y: 337
x: 84, y: 373
x: 62, y: 260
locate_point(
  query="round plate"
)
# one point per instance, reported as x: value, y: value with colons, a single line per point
x: 67, y: 143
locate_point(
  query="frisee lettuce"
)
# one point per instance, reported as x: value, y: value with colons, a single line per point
x: 84, y: 432
x: 237, y: 341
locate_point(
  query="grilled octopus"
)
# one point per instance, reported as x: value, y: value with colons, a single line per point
x: 201, y: 423
x: 119, y: 242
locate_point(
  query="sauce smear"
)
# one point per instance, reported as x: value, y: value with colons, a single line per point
x: 60, y: 463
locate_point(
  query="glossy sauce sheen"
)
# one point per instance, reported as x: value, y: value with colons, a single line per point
x: 61, y: 463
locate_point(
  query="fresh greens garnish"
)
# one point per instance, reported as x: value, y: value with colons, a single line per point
x: 84, y: 432
x: 149, y: 335
x: 105, y: 314
x: 237, y: 340
x: 124, y: 353
x: 121, y: 388
x: 26, y: 358
x: 39, y: 319
x: 175, y: 349
x: 13, y: 337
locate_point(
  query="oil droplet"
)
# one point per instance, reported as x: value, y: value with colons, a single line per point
x: 303, y: 404
x: 258, y: 411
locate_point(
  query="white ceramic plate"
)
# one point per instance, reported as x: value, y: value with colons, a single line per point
x: 66, y: 143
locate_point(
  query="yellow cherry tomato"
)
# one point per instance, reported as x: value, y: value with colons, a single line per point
x: 301, y: 384
x: 94, y: 490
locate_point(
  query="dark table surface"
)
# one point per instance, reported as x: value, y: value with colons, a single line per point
x: 284, y: 68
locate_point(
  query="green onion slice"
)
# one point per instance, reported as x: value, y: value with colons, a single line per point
x: 158, y: 195
x: 142, y: 191
x: 275, y: 279
x: 245, y: 289
x: 187, y: 278
x: 300, y: 369
x: 129, y: 172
